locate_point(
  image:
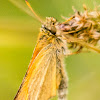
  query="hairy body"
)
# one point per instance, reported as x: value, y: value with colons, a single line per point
x: 46, y: 72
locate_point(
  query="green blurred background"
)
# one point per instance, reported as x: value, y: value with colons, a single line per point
x: 18, y: 35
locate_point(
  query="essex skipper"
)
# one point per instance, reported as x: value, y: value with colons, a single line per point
x: 46, y: 75
x: 46, y: 72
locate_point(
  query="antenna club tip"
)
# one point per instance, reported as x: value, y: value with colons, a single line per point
x: 26, y: 0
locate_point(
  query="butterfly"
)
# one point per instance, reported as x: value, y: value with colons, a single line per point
x: 46, y: 75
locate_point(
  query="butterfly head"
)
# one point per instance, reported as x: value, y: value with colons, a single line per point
x: 50, y: 25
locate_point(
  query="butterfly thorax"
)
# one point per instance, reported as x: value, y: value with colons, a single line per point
x: 50, y: 34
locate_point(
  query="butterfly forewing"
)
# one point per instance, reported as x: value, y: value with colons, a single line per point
x: 40, y: 81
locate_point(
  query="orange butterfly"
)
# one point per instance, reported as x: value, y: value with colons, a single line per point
x: 46, y: 70
x: 46, y: 73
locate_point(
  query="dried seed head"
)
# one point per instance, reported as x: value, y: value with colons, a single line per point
x: 84, y: 26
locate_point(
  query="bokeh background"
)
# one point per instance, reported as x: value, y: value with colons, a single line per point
x: 18, y: 35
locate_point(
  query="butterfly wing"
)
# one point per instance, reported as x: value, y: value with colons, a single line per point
x: 40, y: 80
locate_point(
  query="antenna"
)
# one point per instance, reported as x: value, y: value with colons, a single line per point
x: 37, y: 17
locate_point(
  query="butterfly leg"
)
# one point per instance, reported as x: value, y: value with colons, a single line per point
x: 69, y: 19
x: 62, y: 90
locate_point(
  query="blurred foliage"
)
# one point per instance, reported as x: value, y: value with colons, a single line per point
x: 18, y: 35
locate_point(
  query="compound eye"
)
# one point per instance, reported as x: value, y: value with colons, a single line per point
x: 53, y: 30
